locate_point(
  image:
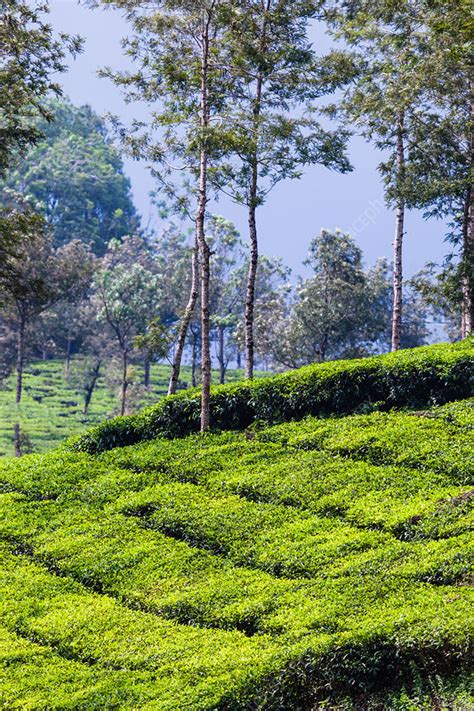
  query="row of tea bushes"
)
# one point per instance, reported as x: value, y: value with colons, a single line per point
x: 412, y: 378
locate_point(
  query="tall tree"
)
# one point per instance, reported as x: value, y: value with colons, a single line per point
x: 31, y: 56
x: 176, y: 47
x: 442, y: 162
x: 272, y: 128
x: 75, y: 178
x: 390, y: 45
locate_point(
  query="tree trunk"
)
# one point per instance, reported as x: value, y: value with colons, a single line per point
x: 185, y: 321
x: 146, y: 378
x: 67, y: 364
x: 467, y: 277
x: 252, y: 217
x: 194, y: 360
x: 205, y: 320
x: 20, y: 359
x: 123, y: 403
x: 17, y: 439
x: 398, y: 242
x: 251, y: 279
x: 239, y: 360
x: 221, y: 356
x: 253, y: 237
x: 91, y: 387
x: 204, y: 252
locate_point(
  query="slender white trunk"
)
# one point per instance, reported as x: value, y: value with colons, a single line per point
x: 185, y: 321
x: 204, y: 251
x: 398, y: 242
x: 249, y: 316
x: 194, y: 360
x: 250, y: 294
x: 253, y: 202
x: 467, y: 278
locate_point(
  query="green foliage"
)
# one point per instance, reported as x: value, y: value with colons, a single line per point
x: 74, y: 177
x: 31, y: 56
x: 37, y: 275
x: 52, y: 404
x: 340, y: 311
x: 155, y: 342
x: 272, y: 127
x: 412, y: 96
x: 17, y: 228
x: 310, y: 564
x: 411, y: 378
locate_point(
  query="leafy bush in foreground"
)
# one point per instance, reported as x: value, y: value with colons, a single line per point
x: 413, y: 378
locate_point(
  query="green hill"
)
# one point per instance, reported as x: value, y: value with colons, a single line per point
x: 52, y: 405
x: 313, y: 554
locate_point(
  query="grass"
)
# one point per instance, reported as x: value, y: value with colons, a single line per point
x: 51, y: 408
x: 318, y: 564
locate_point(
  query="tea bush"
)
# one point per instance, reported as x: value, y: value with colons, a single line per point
x: 412, y: 378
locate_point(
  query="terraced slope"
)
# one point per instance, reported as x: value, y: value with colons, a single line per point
x: 319, y: 564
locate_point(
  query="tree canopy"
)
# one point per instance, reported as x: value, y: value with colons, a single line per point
x: 75, y: 178
x: 31, y: 57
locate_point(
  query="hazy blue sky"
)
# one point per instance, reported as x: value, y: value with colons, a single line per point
x: 296, y: 210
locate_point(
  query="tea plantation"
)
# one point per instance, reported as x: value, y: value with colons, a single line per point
x: 52, y: 405
x: 313, y: 552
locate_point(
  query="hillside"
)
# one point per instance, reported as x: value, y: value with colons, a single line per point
x: 52, y: 405
x: 319, y: 563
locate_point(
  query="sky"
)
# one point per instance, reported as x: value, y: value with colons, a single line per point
x: 296, y: 210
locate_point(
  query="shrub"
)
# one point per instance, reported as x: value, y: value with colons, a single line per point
x: 413, y: 378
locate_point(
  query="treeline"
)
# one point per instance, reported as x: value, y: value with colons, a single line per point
x: 113, y: 300
x: 124, y: 305
x: 239, y: 101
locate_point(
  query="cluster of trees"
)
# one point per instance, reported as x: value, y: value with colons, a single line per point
x: 103, y: 288
x: 412, y: 96
x: 239, y: 88
x: 239, y: 101
x: 124, y: 306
